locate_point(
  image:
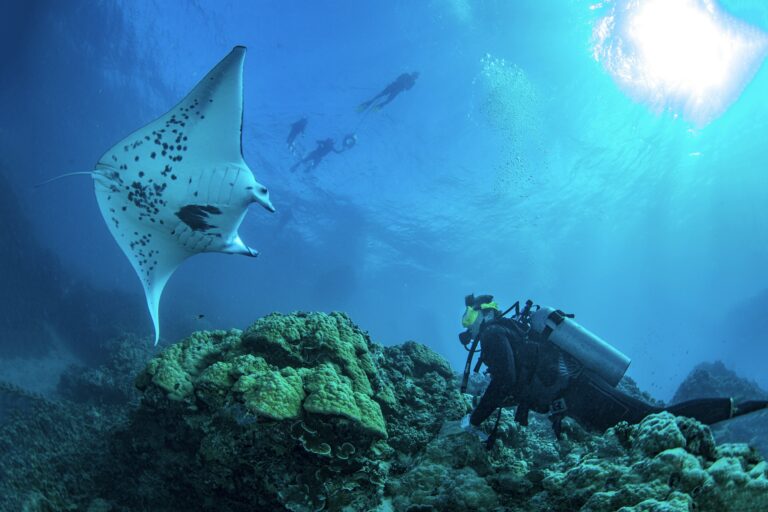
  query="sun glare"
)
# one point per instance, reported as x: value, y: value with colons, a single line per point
x: 684, y: 56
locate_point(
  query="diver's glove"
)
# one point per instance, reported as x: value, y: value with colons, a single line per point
x: 468, y: 427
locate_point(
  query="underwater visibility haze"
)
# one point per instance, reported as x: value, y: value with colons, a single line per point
x: 607, y: 159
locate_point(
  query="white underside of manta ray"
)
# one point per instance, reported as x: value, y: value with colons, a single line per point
x: 179, y: 186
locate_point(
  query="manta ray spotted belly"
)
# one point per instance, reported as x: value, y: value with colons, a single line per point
x: 179, y: 186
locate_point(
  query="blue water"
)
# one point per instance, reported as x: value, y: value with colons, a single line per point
x: 516, y: 166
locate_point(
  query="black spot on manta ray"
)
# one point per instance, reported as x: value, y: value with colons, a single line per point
x: 196, y: 216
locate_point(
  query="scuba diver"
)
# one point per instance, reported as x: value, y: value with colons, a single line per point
x: 402, y: 83
x: 297, y: 128
x: 324, y: 147
x: 541, y: 360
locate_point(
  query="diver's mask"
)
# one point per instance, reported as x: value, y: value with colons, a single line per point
x: 479, y: 310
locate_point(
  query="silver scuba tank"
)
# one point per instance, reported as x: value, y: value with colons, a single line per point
x: 586, y: 347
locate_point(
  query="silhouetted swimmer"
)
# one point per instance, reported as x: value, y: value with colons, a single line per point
x: 402, y: 83
x: 314, y: 158
x: 297, y: 129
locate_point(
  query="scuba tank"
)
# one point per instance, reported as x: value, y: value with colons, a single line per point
x: 587, y: 348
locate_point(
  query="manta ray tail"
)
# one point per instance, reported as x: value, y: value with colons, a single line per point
x: 154, y: 285
x: 67, y: 175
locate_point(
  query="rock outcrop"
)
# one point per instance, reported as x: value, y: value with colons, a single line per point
x: 716, y: 380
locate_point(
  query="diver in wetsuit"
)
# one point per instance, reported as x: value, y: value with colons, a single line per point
x: 297, y: 128
x: 402, y: 83
x: 316, y: 156
x: 324, y: 147
x: 531, y: 370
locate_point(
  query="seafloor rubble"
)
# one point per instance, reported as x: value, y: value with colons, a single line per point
x: 305, y: 413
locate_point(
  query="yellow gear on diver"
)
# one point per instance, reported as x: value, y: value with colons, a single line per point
x: 471, y: 314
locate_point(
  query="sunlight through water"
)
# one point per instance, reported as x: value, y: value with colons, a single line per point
x: 687, y: 57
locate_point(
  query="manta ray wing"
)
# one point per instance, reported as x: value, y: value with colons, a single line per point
x: 179, y: 186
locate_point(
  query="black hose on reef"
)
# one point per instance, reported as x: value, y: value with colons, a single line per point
x: 705, y: 410
x: 713, y: 410
x: 749, y: 406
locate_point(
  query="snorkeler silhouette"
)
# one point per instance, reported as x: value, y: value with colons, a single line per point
x: 324, y: 147
x: 402, y: 83
x: 314, y: 158
x: 297, y: 129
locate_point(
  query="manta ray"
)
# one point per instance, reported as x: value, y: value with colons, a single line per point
x: 179, y: 186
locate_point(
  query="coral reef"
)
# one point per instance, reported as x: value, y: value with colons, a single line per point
x: 111, y: 382
x: 299, y: 411
x: 15, y: 400
x: 304, y: 412
x: 664, y: 463
x: 52, y: 454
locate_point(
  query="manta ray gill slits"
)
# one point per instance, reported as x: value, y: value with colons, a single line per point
x: 688, y: 57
